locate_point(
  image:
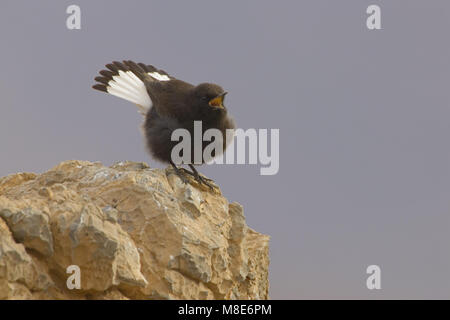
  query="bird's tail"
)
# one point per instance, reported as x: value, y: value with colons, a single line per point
x: 126, y: 80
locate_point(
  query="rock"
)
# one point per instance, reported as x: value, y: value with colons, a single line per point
x: 28, y: 226
x: 133, y: 232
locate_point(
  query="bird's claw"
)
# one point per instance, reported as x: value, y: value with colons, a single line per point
x: 195, y: 176
x: 203, y: 180
x: 200, y: 179
x: 181, y: 173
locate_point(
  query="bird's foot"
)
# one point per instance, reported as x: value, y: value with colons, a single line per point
x: 204, y: 180
x: 195, y: 175
x: 201, y: 179
x: 181, y: 175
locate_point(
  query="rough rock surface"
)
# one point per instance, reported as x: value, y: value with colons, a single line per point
x: 134, y: 233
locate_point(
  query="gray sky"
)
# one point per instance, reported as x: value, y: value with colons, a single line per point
x: 364, y: 121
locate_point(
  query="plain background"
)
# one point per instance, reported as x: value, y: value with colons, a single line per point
x: 364, y: 121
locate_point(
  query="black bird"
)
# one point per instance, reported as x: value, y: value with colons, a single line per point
x: 168, y: 104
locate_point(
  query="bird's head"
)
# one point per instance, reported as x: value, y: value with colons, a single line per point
x: 210, y: 97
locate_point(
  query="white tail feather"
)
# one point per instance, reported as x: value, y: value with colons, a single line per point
x: 158, y: 76
x: 128, y: 86
x: 121, y: 82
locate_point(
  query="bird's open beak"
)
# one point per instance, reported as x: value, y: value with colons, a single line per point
x: 218, y: 101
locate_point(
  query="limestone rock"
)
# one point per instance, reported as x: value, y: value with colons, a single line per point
x: 133, y: 232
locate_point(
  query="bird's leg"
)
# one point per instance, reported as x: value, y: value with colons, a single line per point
x: 199, y: 178
x: 178, y: 172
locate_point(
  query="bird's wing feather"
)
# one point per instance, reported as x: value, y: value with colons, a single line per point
x: 127, y: 80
